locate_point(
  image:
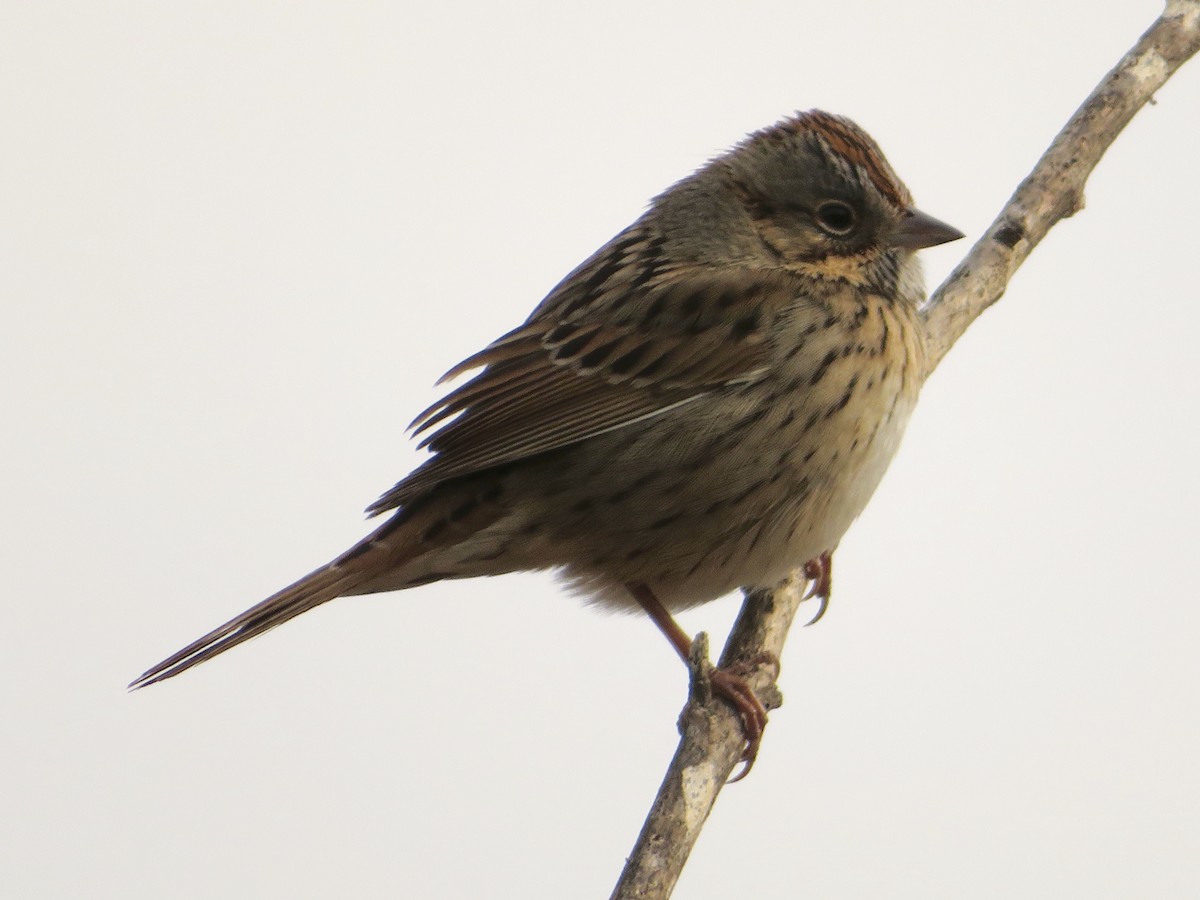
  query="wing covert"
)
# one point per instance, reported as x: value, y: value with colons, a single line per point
x: 608, y: 347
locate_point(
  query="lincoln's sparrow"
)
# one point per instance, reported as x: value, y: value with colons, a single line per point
x: 706, y: 403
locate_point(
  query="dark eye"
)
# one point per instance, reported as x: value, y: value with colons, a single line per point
x: 836, y: 217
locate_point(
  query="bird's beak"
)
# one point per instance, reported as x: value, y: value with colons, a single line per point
x: 918, y: 230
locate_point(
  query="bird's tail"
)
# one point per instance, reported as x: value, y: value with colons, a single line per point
x: 353, y: 568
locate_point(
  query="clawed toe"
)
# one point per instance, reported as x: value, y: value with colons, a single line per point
x: 732, y: 687
x: 729, y: 682
x: 820, y: 572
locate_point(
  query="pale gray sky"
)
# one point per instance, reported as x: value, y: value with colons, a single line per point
x: 238, y: 243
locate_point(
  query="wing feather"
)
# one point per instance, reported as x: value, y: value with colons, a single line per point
x: 611, y: 345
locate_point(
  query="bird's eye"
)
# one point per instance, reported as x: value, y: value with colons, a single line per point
x: 836, y: 217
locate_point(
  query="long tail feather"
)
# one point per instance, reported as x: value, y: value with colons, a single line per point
x: 348, y: 571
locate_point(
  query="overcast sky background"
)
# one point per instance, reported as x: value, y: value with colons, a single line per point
x: 239, y: 242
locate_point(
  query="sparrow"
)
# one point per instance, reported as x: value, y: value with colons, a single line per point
x: 705, y: 404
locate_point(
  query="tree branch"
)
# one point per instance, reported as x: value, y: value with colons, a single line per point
x: 711, y: 744
x: 712, y: 740
x: 1054, y: 189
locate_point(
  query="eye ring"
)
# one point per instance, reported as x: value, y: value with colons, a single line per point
x: 836, y: 218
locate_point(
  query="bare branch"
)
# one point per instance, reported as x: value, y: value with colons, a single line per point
x: 711, y: 743
x: 712, y: 738
x: 1054, y: 189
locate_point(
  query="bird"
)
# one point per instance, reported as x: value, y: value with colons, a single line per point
x: 705, y: 404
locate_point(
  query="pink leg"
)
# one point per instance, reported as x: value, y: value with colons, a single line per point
x: 727, y: 683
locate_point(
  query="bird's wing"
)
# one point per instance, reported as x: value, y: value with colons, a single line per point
x: 624, y: 337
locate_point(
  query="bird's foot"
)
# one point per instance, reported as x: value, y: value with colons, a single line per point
x: 730, y: 684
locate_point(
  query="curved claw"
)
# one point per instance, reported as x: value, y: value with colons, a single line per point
x: 820, y: 572
x: 821, y: 607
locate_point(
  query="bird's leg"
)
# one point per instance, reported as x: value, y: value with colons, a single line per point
x: 820, y: 572
x: 728, y: 683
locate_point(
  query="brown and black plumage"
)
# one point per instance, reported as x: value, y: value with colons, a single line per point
x: 706, y: 403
